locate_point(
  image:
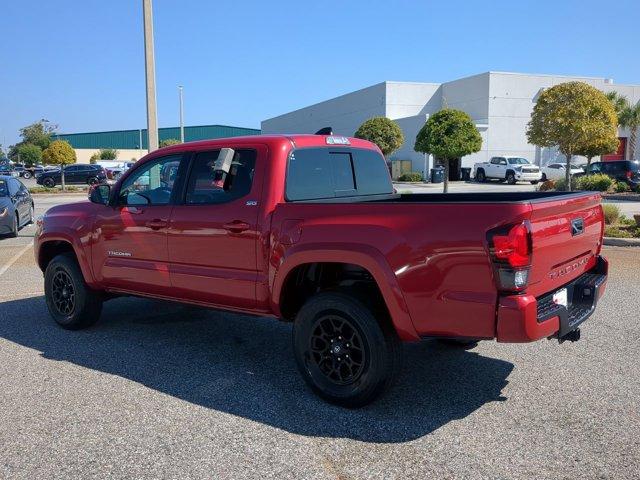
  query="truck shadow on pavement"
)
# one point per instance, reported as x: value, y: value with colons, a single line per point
x: 244, y: 366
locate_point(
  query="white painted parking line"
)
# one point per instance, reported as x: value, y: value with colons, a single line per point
x: 15, y: 258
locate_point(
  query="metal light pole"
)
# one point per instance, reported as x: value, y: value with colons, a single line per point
x: 150, y: 71
x: 181, y: 114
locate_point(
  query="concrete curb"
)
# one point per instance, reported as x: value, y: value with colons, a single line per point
x: 65, y: 194
x: 621, y: 198
x: 622, y: 242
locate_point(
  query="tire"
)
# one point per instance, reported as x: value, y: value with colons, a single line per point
x: 511, y: 178
x: 49, y: 182
x: 15, y: 227
x: 534, y: 182
x: 340, y: 327
x: 26, y: 175
x: 480, y: 176
x: 458, y: 343
x: 92, y: 181
x: 544, y: 177
x: 71, y: 303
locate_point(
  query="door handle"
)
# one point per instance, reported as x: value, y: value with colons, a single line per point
x: 236, y: 226
x: 156, y: 224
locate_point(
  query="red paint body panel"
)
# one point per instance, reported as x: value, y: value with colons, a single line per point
x: 430, y: 260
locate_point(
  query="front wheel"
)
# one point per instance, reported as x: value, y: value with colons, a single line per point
x: 15, y: 226
x: 26, y: 175
x: 49, y: 182
x: 71, y: 303
x: 343, y: 352
x: 511, y: 178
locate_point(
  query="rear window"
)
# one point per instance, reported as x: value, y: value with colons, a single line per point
x: 319, y: 173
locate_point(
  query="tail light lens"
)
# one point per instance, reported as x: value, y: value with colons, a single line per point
x: 510, y: 251
x: 629, y: 174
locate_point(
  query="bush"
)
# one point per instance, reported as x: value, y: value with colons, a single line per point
x: 621, y: 187
x: 547, y: 185
x: 597, y: 182
x: 410, y: 177
x: 561, y: 185
x: 617, y: 233
x: 611, y: 213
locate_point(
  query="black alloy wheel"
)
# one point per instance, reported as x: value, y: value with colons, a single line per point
x: 63, y: 293
x: 337, y: 349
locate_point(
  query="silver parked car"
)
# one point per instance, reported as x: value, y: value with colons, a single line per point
x: 16, y: 206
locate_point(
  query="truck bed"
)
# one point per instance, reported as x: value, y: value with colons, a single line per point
x: 438, y: 250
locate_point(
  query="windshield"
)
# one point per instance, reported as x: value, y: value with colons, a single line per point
x: 518, y: 161
x: 4, y: 191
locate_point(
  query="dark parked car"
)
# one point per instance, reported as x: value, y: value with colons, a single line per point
x: 16, y: 206
x: 8, y: 170
x: 78, y: 174
x: 622, y: 171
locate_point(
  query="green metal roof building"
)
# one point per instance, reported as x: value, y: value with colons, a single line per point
x: 130, y: 139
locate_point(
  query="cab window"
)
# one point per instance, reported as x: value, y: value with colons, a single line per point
x: 152, y: 183
x: 205, y: 186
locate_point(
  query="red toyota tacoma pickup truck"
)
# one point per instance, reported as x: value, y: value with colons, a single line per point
x: 308, y: 229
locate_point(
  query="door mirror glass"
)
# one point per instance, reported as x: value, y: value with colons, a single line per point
x: 100, y: 194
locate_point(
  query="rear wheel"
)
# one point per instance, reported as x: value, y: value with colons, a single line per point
x: 511, y: 178
x: 343, y: 352
x: 481, y: 177
x: 26, y: 175
x: 71, y: 303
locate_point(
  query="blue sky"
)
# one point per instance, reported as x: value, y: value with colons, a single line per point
x: 80, y: 64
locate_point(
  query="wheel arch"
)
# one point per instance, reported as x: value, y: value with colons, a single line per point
x: 49, y: 247
x: 351, y: 259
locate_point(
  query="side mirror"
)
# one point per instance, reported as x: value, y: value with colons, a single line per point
x: 100, y: 194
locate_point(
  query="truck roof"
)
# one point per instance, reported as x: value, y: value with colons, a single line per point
x: 279, y: 140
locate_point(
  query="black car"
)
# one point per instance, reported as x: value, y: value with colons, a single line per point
x: 77, y: 174
x: 6, y: 169
x: 621, y: 171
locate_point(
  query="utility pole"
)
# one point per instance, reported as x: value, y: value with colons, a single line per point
x: 181, y: 114
x: 150, y: 71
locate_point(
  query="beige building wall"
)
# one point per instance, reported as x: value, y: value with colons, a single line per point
x: 125, y: 155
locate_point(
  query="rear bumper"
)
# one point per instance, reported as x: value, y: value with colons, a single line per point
x: 525, y: 318
x: 529, y: 176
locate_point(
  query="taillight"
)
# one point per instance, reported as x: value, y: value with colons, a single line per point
x: 629, y: 174
x: 510, y: 250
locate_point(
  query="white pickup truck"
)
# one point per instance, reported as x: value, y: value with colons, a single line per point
x: 509, y: 169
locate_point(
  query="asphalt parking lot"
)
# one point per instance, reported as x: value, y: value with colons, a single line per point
x: 157, y: 390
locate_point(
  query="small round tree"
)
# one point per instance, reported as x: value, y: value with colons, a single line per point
x: 59, y: 152
x: 168, y: 142
x: 385, y: 133
x: 28, y: 153
x: 448, y: 134
x: 573, y: 116
x: 108, y: 154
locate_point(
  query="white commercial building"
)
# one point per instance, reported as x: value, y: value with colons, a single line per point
x: 499, y: 103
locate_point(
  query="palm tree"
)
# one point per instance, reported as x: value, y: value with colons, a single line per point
x: 628, y: 117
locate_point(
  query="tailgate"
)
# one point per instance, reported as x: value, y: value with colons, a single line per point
x: 566, y: 236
